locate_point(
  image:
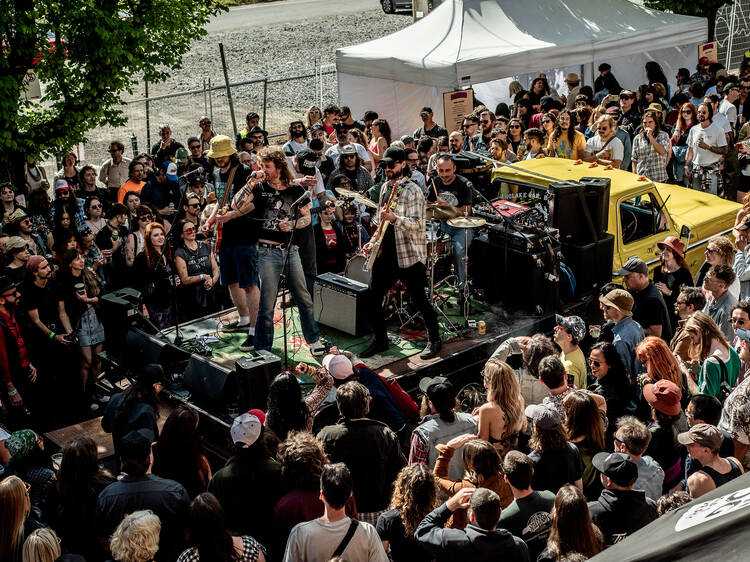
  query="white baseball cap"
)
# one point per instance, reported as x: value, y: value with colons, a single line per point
x: 338, y: 365
x: 245, y: 429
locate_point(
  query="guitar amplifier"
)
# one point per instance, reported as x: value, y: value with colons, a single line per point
x: 254, y: 375
x: 341, y: 303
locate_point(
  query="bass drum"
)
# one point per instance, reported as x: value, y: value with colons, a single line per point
x: 355, y: 270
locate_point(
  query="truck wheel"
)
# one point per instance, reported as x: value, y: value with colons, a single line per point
x: 388, y: 6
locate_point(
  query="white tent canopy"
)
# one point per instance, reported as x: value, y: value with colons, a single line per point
x: 473, y: 42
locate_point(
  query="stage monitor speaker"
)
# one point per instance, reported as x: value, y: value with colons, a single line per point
x: 567, y: 212
x: 341, y: 303
x: 523, y: 281
x: 140, y: 349
x: 210, y: 380
x: 118, y: 311
x: 254, y: 375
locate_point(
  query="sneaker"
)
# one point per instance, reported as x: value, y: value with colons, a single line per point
x: 248, y: 344
x: 374, y: 348
x: 235, y: 327
x: 432, y: 349
x: 318, y: 348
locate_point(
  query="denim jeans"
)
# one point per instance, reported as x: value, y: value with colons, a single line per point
x: 270, y: 262
x: 459, y: 247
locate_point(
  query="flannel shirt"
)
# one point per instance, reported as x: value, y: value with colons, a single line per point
x: 418, y: 452
x: 411, y: 243
x: 648, y: 162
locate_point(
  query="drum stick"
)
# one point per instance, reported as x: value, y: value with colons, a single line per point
x: 434, y: 189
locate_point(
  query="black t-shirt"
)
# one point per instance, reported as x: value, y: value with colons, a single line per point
x: 276, y: 205
x: 649, y: 309
x: 198, y: 261
x: 73, y: 307
x: 16, y: 274
x: 553, y: 470
x: 673, y: 281
x: 457, y: 193
x: 530, y: 519
x: 436, y: 132
x: 240, y: 231
x: 45, y: 301
x: 402, y: 548
x: 103, y: 238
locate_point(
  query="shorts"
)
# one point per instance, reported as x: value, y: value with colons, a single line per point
x: 91, y: 332
x: 238, y: 264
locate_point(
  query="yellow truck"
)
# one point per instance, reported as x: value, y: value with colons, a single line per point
x: 641, y: 212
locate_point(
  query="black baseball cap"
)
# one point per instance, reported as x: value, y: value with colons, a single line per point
x: 425, y: 110
x: 136, y: 445
x: 394, y: 154
x: 317, y: 127
x: 619, y: 467
x: 436, y: 388
x: 306, y: 160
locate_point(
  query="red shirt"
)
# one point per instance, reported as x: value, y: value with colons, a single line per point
x: 5, y: 374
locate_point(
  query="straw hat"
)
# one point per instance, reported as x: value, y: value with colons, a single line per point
x: 221, y: 145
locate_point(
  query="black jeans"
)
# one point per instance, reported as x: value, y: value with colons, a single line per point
x: 385, y: 273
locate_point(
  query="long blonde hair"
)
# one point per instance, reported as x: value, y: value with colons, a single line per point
x: 14, y: 507
x: 504, y: 391
x: 701, y: 323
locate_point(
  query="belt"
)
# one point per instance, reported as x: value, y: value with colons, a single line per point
x: 272, y: 246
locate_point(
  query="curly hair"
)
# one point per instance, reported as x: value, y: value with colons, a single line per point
x: 670, y: 502
x: 415, y: 494
x: 136, y: 538
x: 302, y: 460
x: 276, y: 155
x: 539, y: 347
x: 504, y: 391
x: 660, y: 362
x: 724, y: 248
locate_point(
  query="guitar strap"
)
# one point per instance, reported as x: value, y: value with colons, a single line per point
x: 228, y: 187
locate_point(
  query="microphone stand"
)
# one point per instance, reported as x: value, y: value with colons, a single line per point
x: 283, y: 278
x: 171, y: 240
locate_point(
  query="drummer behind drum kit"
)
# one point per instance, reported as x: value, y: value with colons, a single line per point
x: 396, y: 302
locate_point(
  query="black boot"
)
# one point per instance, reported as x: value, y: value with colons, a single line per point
x: 432, y: 349
x: 374, y: 348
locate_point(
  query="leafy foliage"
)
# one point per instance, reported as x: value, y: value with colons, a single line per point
x: 701, y: 8
x: 86, y: 53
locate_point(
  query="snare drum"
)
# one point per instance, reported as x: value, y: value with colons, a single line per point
x: 355, y: 269
x: 438, y: 244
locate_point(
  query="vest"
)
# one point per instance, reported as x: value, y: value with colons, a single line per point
x: 435, y: 431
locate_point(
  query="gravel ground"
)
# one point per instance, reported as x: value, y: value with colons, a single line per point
x: 282, y: 49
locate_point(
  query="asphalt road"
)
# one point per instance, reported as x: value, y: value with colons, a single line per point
x: 254, y: 15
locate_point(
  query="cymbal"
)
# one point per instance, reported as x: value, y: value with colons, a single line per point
x: 436, y: 212
x: 358, y: 197
x: 467, y: 222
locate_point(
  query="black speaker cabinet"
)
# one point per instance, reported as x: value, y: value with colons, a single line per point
x: 210, y: 380
x: 118, y: 311
x: 254, y: 375
x: 566, y: 210
x: 591, y: 262
x: 521, y: 281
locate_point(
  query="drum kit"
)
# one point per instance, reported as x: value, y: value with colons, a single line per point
x: 396, y: 302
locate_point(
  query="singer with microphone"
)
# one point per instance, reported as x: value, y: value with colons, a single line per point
x: 284, y: 207
x: 232, y: 221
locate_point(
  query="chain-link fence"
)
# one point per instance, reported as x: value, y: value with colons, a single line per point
x: 733, y: 32
x: 276, y: 99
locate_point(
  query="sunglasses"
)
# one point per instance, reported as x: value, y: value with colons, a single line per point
x: 113, y: 150
x: 514, y: 127
x: 145, y: 218
x: 189, y: 230
x: 95, y: 207
x: 484, y: 121
x: 737, y: 321
x: 595, y: 363
x: 686, y: 111
x: 348, y: 155
x: 195, y: 147
x: 204, y: 123
x: 545, y: 121
x: 193, y: 205
x: 603, y: 129
x: 710, y: 250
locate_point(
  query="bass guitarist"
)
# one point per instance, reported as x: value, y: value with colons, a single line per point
x: 402, y: 248
x: 235, y: 210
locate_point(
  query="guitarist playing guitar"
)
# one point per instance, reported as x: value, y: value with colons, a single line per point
x: 236, y: 190
x: 402, y: 248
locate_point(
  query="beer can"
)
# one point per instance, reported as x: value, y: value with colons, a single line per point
x: 482, y: 327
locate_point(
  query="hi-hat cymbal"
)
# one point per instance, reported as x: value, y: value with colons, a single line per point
x: 358, y: 197
x: 436, y: 212
x: 467, y: 222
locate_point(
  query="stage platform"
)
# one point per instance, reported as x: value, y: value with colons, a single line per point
x: 463, y: 353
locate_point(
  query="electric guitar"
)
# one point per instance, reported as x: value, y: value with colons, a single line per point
x: 380, y: 234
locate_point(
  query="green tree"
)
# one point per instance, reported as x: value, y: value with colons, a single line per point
x: 87, y: 54
x: 701, y: 8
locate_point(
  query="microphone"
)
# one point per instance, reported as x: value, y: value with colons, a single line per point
x: 190, y: 173
x: 303, y: 200
x: 257, y: 174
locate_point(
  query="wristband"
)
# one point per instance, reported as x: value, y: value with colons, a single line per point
x: 203, y: 277
x: 13, y: 392
x: 52, y: 335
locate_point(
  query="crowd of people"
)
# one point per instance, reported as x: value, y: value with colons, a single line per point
x: 585, y: 438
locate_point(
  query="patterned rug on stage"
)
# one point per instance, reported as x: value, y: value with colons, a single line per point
x: 405, y: 340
